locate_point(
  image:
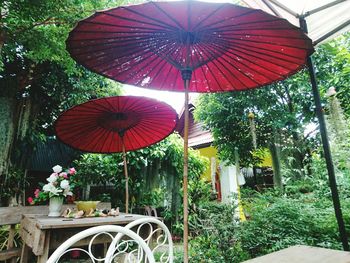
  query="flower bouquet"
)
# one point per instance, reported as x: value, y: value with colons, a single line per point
x: 60, y: 185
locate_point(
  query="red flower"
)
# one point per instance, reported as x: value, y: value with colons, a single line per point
x: 30, y: 200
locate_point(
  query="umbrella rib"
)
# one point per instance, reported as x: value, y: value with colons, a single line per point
x: 228, y: 70
x: 208, y: 69
x: 264, y: 54
x: 274, y: 63
x: 81, y: 137
x: 95, y: 141
x: 269, y: 43
x: 239, y: 45
x: 74, y: 125
x: 125, y: 42
x: 232, y: 17
x: 122, y: 26
x: 235, y: 54
x: 136, y: 141
x: 129, y: 47
x: 141, y: 61
x: 254, y: 70
x: 159, y: 23
x: 136, y: 63
x: 266, y: 68
x: 78, y: 133
x: 260, y: 35
x: 233, y: 65
x: 150, y: 132
x: 107, y: 137
x: 167, y: 75
x: 130, y: 37
x: 136, y: 134
x: 115, y: 137
x: 249, y: 23
x: 207, y: 17
x: 167, y: 15
x: 160, y: 66
x: 164, y: 62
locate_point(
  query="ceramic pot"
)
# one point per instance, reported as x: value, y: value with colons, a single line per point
x: 55, y: 206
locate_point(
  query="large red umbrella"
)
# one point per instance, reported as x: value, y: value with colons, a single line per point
x: 189, y: 46
x: 116, y: 124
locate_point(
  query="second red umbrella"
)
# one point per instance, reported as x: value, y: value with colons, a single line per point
x: 116, y: 124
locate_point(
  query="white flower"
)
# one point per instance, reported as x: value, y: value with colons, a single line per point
x: 57, y: 169
x: 52, y: 189
x: 53, y: 178
x: 64, y: 184
x: 67, y: 192
x: 331, y: 91
x: 48, y: 187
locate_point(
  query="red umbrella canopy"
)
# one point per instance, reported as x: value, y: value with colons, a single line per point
x: 227, y: 47
x: 100, y: 125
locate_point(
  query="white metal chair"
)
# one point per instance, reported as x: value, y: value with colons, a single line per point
x: 126, y: 246
x: 156, y: 235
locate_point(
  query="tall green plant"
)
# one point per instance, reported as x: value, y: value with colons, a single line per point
x: 155, y: 169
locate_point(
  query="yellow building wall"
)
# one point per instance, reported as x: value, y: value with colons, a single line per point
x: 267, y: 160
x: 208, y: 152
x: 211, y: 151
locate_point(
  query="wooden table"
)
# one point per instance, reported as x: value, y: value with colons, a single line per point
x: 41, y: 233
x: 304, y: 254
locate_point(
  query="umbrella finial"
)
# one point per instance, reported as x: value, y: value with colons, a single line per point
x: 186, y: 74
x: 121, y: 133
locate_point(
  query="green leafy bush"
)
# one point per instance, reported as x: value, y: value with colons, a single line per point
x: 213, y: 228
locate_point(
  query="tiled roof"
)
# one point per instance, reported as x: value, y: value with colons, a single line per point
x: 50, y: 153
x: 198, y: 136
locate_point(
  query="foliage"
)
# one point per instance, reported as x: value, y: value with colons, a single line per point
x: 215, y: 227
x: 332, y: 63
x: 279, y: 222
x: 302, y: 215
x: 38, y: 77
x: 13, y: 185
x: 227, y: 116
x: 282, y: 111
x: 155, y: 175
x: 4, y: 236
x: 338, y: 134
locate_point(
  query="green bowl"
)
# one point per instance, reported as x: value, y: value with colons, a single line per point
x: 86, y: 205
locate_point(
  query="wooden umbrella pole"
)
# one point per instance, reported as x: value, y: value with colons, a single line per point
x: 126, y: 179
x: 185, y: 175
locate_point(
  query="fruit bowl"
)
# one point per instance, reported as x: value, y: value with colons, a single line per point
x: 86, y: 205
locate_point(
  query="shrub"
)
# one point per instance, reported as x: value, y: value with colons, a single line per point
x: 280, y: 222
x: 213, y: 227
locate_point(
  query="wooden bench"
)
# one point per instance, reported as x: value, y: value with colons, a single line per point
x: 11, y: 216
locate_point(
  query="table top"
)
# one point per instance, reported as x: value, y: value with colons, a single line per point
x: 44, y: 222
x: 304, y: 254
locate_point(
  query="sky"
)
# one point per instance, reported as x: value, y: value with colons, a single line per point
x: 174, y: 99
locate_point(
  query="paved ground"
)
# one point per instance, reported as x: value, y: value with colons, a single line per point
x: 304, y: 254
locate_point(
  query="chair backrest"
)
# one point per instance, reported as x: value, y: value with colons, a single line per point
x: 156, y: 235
x: 130, y: 246
x: 150, y: 211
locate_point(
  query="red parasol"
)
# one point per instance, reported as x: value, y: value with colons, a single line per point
x: 189, y: 46
x: 116, y: 124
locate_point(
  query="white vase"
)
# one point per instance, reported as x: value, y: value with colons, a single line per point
x: 55, y: 206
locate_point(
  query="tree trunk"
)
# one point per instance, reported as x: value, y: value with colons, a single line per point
x: 7, y: 133
x: 297, y: 165
x: 15, y: 117
x: 276, y: 163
